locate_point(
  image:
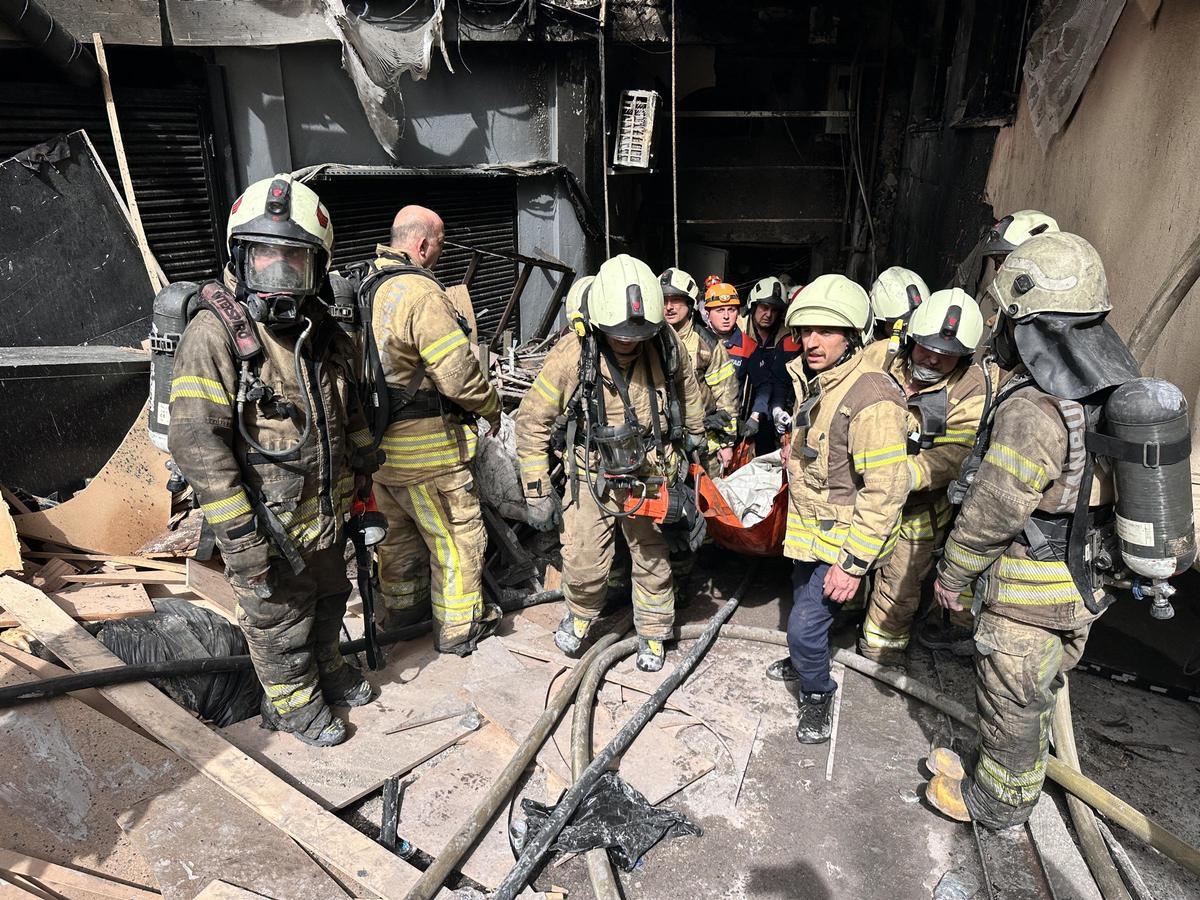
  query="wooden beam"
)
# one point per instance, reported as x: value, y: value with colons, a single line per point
x: 306, y: 821
x: 60, y: 876
x: 142, y: 562
x: 130, y: 577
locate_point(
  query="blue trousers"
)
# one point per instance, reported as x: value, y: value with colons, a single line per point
x: 808, y: 627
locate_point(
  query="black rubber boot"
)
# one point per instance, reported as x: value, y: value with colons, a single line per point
x: 484, y: 627
x: 346, y: 686
x: 816, y: 718
x: 938, y: 634
x: 313, y: 724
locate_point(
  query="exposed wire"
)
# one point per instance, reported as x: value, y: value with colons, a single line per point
x: 856, y: 157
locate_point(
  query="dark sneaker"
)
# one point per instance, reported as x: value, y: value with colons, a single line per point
x: 347, y: 687
x: 783, y: 670
x: 816, y: 718
x: 571, y: 632
x: 936, y: 634
x: 650, y: 655
x: 314, y: 724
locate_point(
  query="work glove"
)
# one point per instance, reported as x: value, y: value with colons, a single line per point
x: 718, y: 421
x: 749, y: 428
x: 783, y: 419
x: 365, y: 461
x: 249, y: 567
x: 544, y: 513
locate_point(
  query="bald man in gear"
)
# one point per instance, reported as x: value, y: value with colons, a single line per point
x: 433, y: 552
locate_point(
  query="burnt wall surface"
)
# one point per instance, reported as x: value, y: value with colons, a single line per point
x: 1122, y: 172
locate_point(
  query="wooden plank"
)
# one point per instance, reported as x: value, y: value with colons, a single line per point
x: 212, y: 585
x: 95, y: 603
x: 313, y: 827
x: 191, y: 834
x: 51, y: 576
x: 123, y: 507
x: 130, y: 576
x: 141, y: 562
x: 10, y: 546
x: 18, y: 506
x: 56, y: 875
x: 119, y: 21
x: 89, y: 696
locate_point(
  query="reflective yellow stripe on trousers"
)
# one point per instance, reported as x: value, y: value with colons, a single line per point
x: 451, y: 605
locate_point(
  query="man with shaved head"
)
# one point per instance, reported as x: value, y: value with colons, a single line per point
x: 433, y: 552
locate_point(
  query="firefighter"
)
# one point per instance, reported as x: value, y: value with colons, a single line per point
x: 896, y: 293
x: 765, y: 322
x: 433, y: 552
x: 847, y: 480
x: 267, y: 429
x: 1030, y: 528
x: 715, y: 372
x: 945, y: 394
x: 976, y: 272
x: 722, y: 305
x: 624, y: 403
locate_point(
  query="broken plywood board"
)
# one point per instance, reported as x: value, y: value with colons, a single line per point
x: 123, y: 507
x: 446, y: 792
x: 95, y: 603
x: 191, y: 834
x: 65, y: 772
x: 419, y: 682
x: 10, y: 547
x: 279, y: 803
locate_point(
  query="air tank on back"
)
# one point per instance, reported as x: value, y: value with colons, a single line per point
x: 1154, y: 493
x: 170, y: 316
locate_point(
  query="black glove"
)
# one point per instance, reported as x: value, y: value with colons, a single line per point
x: 544, y: 513
x: 749, y: 428
x: 718, y: 421
x: 365, y: 461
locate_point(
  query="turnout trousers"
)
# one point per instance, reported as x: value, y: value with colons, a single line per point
x: 589, y: 540
x: 1019, y: 669
x: 293, y: 636
x: 433, y: 552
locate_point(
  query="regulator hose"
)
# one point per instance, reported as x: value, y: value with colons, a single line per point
x: 298, y: 362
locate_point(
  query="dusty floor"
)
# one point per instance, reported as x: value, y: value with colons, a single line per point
x: 865, y: 832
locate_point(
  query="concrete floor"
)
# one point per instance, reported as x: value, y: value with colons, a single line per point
x: 866, y: 832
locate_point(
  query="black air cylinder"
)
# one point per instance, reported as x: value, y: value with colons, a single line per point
x: 1154, y: 501
x: 169, y: 319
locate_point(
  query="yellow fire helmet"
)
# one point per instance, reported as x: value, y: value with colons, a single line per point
x: 948, y: 322
x: 625, y: 300
x: 1015, y: 229
x: 271, y: 215
x: 896, y: 293
x: 574, y: 304
x: 678, y: 283
x: 831, y: 300
x: 770, y: 291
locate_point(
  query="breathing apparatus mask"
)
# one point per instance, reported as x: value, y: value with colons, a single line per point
x: 275, y: 279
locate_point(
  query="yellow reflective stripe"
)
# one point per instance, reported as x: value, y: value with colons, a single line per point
x: 1013, y: 788
x: 885, y: 456
x: 546, y: 389
x: 534, y: 463
x: 863, y: 544
x: 431, y: 353
x: 1035, y: 594
x: 419, y: 441
x: 1033, y: 570
x: 360, y: 438
x: 959, y: 555
x: 287, y: 698
x: 1020, y: 467
x: 657, y: 603
x: 716, y: 377
x: 237, y: 504
x: 876, y: 637
x: 964, y: 436
x: 450, y: 605
x: 918, y: 527
x: 200, y: 389
x: 914, y: 474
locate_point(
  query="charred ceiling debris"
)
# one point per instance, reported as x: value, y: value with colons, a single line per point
x: 779, y: 139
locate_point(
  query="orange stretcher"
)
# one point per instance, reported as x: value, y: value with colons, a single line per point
x: 727, y: 530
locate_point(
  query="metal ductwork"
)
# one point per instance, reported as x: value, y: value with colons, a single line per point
x: 31, y: 21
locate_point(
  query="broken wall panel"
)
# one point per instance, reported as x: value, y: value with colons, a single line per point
x: 117, y: 21
x: 245, y: 23
x: 70, y: 269
x: 76, y: 403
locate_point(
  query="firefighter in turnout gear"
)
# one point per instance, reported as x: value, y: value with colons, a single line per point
x: 847, y: 480
x: 624, y: 405
x: 433, y: 552
x: 715, y: 372
x: 1037, y: 498
x: 945, y: 393
x: 266, y: 426
x: 895, y: 295
x: 975, y: 273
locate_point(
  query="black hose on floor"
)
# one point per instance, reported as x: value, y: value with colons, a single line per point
x: 171, y: 668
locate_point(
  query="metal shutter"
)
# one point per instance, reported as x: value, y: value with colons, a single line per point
x: 480, y: 213
x: 167, y: 136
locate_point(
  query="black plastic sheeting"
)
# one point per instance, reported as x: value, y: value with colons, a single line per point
x: 615, y: 816
x: 181, y: 630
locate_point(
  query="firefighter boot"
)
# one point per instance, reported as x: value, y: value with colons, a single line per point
x: 346, y: 686
x: 571, y: 632
x: 816, y: 718
x: 651, y: 655
x: 885, y: 656
x: 312, y: 724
